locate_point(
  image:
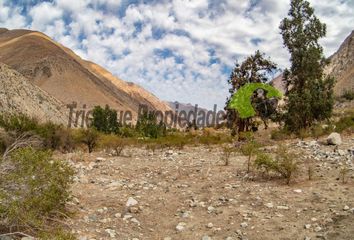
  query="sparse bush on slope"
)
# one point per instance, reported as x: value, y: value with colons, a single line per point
x: 34, y: 188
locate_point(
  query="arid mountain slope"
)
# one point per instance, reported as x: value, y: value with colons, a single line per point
x: 18, y: 95
x: 59, y: 71
x: 341, y: 67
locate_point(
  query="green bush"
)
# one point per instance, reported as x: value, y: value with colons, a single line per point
x: 287, y: 164
x: 34, y: 188
x: 89, y: 137
x: 147, y: 126
x: 345, y: 123
x: 55, y: 137
x: 18, y: 123
x: 348, y: 95
x: 265, y: 163
x: 114, y: 143
x: 249, y: 149
x: 105, y: 120
x: 280, y: 134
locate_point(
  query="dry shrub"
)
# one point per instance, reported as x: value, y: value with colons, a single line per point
x: 34, y: 189
x: 114, y: 144
x: 226, y: 154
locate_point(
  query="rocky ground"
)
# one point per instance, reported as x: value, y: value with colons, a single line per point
x: 190, y: 194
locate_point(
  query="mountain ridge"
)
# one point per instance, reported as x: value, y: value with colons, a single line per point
x: 64, y: 75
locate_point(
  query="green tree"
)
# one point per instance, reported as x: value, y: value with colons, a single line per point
x: 255, y: 69
x: 105, y: 120
x: 147, y: 126
x: 309, y: 91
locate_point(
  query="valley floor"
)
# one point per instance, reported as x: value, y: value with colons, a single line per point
x: 190, y: 194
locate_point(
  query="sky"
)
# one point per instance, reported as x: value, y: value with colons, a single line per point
x: 180, y: 50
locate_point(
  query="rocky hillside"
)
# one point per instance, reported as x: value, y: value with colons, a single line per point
x: 342, y: 66
x: 64, y: 75
x: 18, y: 95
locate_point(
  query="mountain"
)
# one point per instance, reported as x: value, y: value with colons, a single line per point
x: 341, y: 67
x: 187, y: 107
x: 18, y: 95
x: 65, y: 76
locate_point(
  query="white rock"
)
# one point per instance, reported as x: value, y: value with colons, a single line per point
x: 210, y: 225
x: 131, y: 202
x: 134, y: 220
x: 283, y: 207
x: 100, y: 159
x: 111, y: 232
x: 211, y: 209
x: 318, y: 229
x: 334, y: 139
x: 298, y: 190
x: 127, y: 216
x: 244, y: 224
x: 269, y: 205
x: 307, y: 226
x: 181, y: 226
x: 346, y: 208
x: 206, y: 237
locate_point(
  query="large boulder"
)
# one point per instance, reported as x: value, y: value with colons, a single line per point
x: 334, y: 139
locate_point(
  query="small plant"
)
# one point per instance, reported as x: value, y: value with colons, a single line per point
x: 310, y: 168
x: 249, y: 149
x: 317, y: 131
x: 343, y: 172
x: 114, y: 143
x: 345, y: 123
x: 265, y: 163
x: 34, y: 189
x: 280, y: 134
x: 303, y: 133
x: 287, y: 164
x: 226, y: 153
x: 348, y: 95
x: 89, y: 137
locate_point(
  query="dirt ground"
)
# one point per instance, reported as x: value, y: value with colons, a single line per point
x: 190, y: 194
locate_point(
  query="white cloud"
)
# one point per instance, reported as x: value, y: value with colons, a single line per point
x: 202, y: 38
x: 43, y: 14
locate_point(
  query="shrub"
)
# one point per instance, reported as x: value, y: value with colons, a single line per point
x: 280, y: 134
x: 128, y: 132
x: 348, y: 95
x: 343, y: 172
x: 89, y: 137
x: 114, y: 143
x: 345, y: 123
x: 287, y: 164
x: 265, y: 163
x: 34, y: 189
x: 147, y: 126
x: 53, y: 136
x: 18, y: 123
x: 50, y: 134
x: 226, y: 153
x: 249, y: 149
